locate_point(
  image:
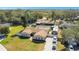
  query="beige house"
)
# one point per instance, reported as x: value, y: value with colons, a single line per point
x: 40, y: 36
x: 44, y: 23
x: 28, y: 32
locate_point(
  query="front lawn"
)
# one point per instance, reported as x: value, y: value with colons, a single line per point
x: 17, y: 44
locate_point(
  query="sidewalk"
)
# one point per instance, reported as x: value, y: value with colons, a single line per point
x: 2, y: 48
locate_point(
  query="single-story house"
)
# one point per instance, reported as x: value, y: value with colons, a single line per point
x: 28, y: 32
x: 40, y: 36
x: 44, y: 24
x: 58, y: 21
x: 44, y: 21
x: 5, y: 24
x: 67, y: 25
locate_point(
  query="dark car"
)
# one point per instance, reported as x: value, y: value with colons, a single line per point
x: 54, y: 33
x: 54, y: 48
x: 71, y: 48
x: 54, y: 42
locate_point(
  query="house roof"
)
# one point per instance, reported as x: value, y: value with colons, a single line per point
x: 44, y: 21
x: 42, y: 33
x: 30, y: 30
x: 5, y: 24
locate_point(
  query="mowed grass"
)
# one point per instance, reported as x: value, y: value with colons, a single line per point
x: 59, y: 33
x: 18, y: 44
x: 60, y: 46
x: 15, y: 29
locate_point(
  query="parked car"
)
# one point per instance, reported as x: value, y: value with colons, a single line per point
x: 54, y: 42
x: 52, y: 27
x: 54, y: 48
x: 71, y: 48
x: 54, y: 37
x: 54, y: 33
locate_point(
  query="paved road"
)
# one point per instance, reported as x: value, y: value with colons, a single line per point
x: 2, y: 48
x: 48, y: 45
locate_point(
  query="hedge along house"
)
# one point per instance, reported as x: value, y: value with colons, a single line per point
x: 40, y: 36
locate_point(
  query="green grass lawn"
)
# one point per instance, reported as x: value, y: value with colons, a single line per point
x: 59, y: 46
x: 15, y: 29
x: 18, y: 44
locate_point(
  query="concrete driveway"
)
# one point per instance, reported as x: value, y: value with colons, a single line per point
x: 2, y: 48
x: 48, y: 45
x: 49, y: 41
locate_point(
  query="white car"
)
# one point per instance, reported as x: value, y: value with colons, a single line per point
x: 55, y: 37
x: 55, y: 28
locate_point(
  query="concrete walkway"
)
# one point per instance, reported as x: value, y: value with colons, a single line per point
x: 2, y: 48
x: 48, y: 44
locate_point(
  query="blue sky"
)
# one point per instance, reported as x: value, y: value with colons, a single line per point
x: 59, y: 8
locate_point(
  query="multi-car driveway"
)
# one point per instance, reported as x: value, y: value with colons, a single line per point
x: 51, y: 42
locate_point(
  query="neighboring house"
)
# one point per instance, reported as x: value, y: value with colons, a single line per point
x: 44, y: 23
x: 40, y: 36
x: 67, y: 25
x: 58, y: 22
x: 5, y: 24
x: 26, y: 33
